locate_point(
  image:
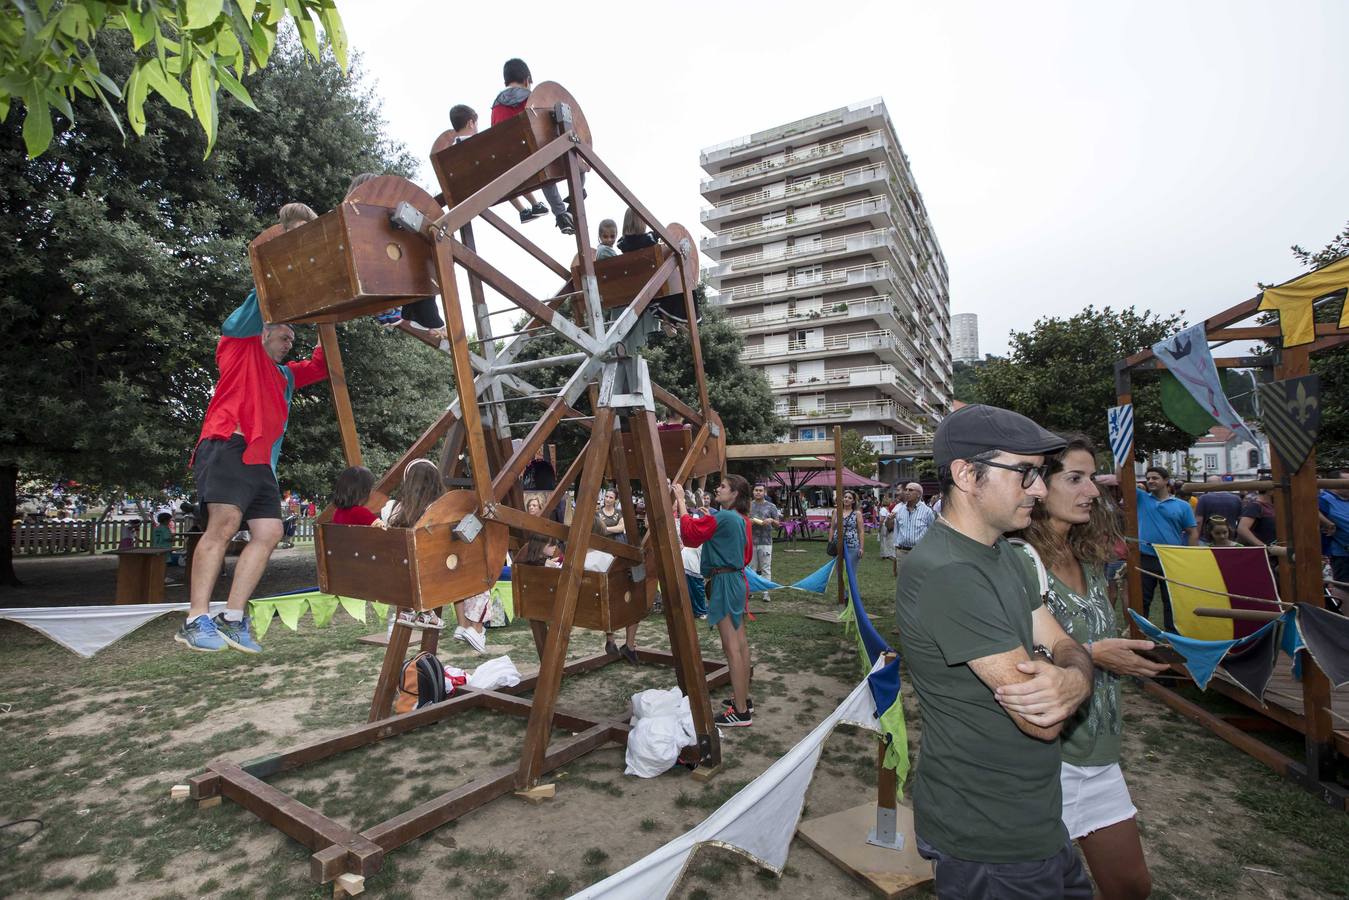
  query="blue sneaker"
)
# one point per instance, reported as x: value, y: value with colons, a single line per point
x: 236, y: 634
x: 200, y: 634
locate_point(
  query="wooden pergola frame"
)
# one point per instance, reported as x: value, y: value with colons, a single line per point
x: 623, y: 400
x: 1300, y: 578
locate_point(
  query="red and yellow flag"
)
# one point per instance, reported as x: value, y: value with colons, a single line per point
x: 1206, y: 576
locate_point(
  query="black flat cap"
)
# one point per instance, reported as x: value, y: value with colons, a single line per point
x: 974, y: 429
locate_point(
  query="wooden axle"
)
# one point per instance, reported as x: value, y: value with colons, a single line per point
x: 1245, y: 615
x: 1203, y: 487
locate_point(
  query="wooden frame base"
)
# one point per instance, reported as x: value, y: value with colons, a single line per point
x: 339, y: 850
x: 842, y: 839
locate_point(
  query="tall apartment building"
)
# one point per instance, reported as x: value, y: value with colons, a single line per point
x: 827, y: 263
x: 965, y: 337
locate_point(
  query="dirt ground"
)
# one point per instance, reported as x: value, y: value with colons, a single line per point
x: 91, y: 747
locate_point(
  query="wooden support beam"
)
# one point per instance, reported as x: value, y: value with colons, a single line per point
x: 463, y: 368
x: 337, y: 379
x: 669, y: 400
x: 386, y: 685
x: 523, y: 521
x: 1203, y: 487
x: 687, y: 279
x: 394, y: 476
x: 585, y: 258
x: 678, y: 605
x: 539, y: 729
x: 509, y: 476
x: 524, y: 243
x: 1244, y: 742
x: 781, y: 450
x: 626, y: 195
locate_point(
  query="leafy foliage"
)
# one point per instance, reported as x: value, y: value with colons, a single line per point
x: 48, y: 58
x: 119, y: 261
x: 1061, y: 374
x: 858, y: 454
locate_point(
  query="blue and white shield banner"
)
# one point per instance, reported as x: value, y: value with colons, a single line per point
x: 1120, y: 420
x: 1188, y: 357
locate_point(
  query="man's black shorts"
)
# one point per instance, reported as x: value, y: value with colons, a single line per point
x: 224, y: 477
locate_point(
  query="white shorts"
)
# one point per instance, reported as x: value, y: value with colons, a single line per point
x: 1094, y: 797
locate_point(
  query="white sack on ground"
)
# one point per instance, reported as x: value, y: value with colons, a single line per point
x: 494, y: 674
x: 662, y: 725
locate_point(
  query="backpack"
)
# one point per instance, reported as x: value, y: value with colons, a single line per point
x: 422, y: 682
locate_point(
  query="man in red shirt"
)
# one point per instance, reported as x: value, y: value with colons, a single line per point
x: 235, y: 462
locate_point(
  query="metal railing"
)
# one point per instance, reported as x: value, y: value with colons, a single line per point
x: 848, y: 275
x: 864, y: 206
x: 863, y: 409
x: 875, y: 305
x: 804, y: 154
x: 797, y: 189
x: 809, y: 123
x: 835, y: 377
x: 882, y: 339
x: 862, y: 240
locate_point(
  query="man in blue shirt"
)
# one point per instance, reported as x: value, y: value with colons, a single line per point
x: 1162, y: 519
x: 1334, y: 506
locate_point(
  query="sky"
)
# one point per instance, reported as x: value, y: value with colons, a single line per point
x: 1162, y: 155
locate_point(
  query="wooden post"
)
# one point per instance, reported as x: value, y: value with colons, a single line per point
x: 887, y: 789
x: 1300, y: 578
x: 1128, y: 491
x: 678, y: 604
x: 337, y: 377
x: 540, y: 725
x: 386, y: 687
x: 838, y: 515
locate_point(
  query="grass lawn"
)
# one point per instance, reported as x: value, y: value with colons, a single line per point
x: 91, y: 748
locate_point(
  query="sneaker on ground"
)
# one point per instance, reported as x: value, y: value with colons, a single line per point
x: 565, y: 224
x: 730, y: 718
x: 200, y: 634
x: 476, y: 639
x: 236, y: 634
x: 629, y: 654
x: 611, y: 648
x: 730, y: 701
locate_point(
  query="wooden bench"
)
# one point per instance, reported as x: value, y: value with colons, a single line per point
x: 140, y: 574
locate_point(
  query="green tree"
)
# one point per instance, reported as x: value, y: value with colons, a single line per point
x: 858, y: 454
x: 119, y: 260
x: 185, y: 51
x: 965, y: 381
x: 1061, y: 374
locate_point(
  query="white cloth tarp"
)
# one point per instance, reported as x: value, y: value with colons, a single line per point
x: 662, y: 724
x: 495, y: 674
x: 88, y: 629
x: 758, y: 822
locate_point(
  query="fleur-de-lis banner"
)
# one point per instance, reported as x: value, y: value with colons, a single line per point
x: 1188, y: 358
x: 1292, y: 414
x: 1294, y: 299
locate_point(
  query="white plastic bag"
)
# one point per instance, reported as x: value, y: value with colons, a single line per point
x: 662, y: 726
x: 494, y: 674
x: 598, y: 561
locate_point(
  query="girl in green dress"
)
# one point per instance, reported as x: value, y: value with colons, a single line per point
x: 1073, y: 531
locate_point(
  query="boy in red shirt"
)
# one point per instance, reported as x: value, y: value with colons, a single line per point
x: 235, y: 461
x: 510, y: 103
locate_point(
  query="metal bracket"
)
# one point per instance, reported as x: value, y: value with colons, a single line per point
x: 469, y: 527
x: 407, y: 217
x: 638, y: 574
x: 562, y: 115
x: 884, y: 834
x: 714, y: 429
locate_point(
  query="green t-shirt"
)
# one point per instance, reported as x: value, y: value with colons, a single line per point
x: 983, y: 790
x: 161, y: 536
x: 1092, y: 736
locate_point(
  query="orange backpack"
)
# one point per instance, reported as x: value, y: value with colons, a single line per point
x: 422, y: 682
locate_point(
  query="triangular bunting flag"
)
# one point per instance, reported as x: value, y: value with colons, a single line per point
x: 290, y: 609
x: 261, y: 612
x: 322, y: 607
x: 353, y: 607
x: 381, y: 611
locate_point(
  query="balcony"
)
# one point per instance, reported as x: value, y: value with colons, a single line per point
x: 884, y: 378
x: 875, y: 210
x: 813, y: 250
x: 873, y: 144
x: 881, y: 342
x: 879, y: 307
x: 815, y: 283
x: 818, y: 126
x: 818, y: 187
x: 837, y: 413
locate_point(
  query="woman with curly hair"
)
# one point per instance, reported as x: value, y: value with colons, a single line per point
x: 1073, y: 531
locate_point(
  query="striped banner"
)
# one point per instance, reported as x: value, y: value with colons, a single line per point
x: 1292, y: 413
x: 1121, y: 422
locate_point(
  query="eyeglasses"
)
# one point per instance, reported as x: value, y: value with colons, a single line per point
x: 1028, y: 472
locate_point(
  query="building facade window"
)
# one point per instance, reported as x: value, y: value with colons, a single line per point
x: 1210, y: 462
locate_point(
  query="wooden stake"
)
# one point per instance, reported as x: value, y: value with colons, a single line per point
x: 337, y: 378
x: 348, y: 885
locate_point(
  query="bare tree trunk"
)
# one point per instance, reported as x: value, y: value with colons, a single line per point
x: 9, y: 501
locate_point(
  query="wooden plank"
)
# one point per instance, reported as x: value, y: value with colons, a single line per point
x: 463, y: 371
x: 841, y: 838
x: 518, y: 706
x: 394, y: 476
x: 509, y: 476
x: 782, y: 450
x: 1227, y: 317
x: 524, y: 243
x: 678, y: 606
x: 626, y: 195
x: 588, y: 287
x: 282, y: 811
x: 666, y: 658
x: 501, y: 187
x: 539, y: 525
x: 669, y: 400
x: 539, y: 728
x: 337, y: 378
x: 1253, y: 747
x: 386, y: 686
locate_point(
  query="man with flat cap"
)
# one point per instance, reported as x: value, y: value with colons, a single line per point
x: 996, y: 675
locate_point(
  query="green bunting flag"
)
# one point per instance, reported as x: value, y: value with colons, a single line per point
x: 261, y: 612
x: 354, y: 608
x: 290, y: 609
x: 322, y: 607
x: 381, y: 611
